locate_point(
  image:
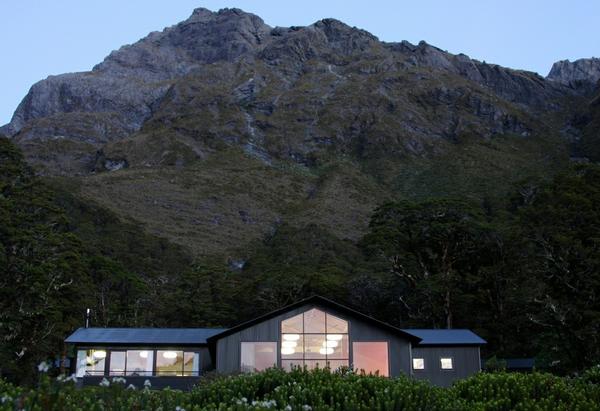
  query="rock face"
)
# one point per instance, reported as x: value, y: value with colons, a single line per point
x: 297, y: 94
x: 215, y: 131
x: 579, y: 73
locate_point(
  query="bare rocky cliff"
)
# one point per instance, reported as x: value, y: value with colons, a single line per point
x: 582, y: 73
x: 254, y: 67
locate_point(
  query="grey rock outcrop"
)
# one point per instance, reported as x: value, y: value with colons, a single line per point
x: 582, y: 73
x: 132, y: 79
x: 226, y: 78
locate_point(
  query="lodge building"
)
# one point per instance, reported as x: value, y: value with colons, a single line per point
x: 314, y: 332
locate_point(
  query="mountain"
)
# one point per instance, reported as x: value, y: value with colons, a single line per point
x: 217, y: 130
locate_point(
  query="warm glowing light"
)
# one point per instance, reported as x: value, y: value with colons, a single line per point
x: 325, y: 351
x: 334, y: 337
x: 330, y: 344
x: 170, y: 354
x: 289, y: 344
x: 291, y: 337
x: 99, y: 354
x: 287, y: 350
x: 144, y: 354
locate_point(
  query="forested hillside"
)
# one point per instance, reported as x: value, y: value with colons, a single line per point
x: 523, y: 272
x: 221, y: 168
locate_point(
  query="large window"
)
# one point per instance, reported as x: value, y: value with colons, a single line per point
x: 371, y: 357
x: 139, y: 362
x: 177, y: 363
x: 258, y: 356
x: 314, y: 339
x: 117, y: 363
x: 90, y: 362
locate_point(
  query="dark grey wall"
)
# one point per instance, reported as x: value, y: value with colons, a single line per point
x: 228, y: 348
x: 466, y: 362
x: 177, y: 383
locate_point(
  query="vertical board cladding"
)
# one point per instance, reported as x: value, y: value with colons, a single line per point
x: 465, y: 360
x: 206, y: 363
x: 228, y: 347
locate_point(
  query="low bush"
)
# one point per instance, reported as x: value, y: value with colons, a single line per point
x: 312, y: 390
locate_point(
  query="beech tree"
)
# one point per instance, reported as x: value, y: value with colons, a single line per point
x: 434, y: 249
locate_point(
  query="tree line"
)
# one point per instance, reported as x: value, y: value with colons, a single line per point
x: 522, y: 271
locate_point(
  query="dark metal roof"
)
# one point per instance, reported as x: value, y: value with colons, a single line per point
x: 446, y: 337
x: 320, y: 301
x: 149, y: 336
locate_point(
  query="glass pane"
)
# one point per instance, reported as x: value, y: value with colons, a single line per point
x: 371, y: 357
x: 139, y: 362
x: 336, y: 364
x: 292, y: 347
x: 338, y: 346
x: 315, y: 346
x: 418, y: 364
x: 90, y: 362
x: 292, y: 325
x: 258, y: 356
x: 314, y: 321
x: 336, y: 325
x: 191, y: 363
x: 446, y: 363
x: 169, y: 362
x: 117, y: 363
x: 81, y: 363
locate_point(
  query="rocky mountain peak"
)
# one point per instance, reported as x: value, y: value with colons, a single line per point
x: 582, y: 72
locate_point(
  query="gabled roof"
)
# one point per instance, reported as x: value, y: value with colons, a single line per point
x: 446, y: 337
x: 147, y: 336
x: 324, y: 302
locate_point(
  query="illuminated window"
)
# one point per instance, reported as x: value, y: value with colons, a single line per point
x: 418, y: 363
x: 117, y: 363
x: 191, y: 363
x: 371, y: 358
x: 446, y: 363
x: 90, y: 362
x: 258, y: 356
x: 139, y: 362
x: 314, y: 339
x: 169, y: 362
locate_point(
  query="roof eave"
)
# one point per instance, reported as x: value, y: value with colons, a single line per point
x: 318, y: 300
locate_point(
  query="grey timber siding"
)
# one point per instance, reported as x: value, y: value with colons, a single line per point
x: 465, y: 359
x: 228, y: 347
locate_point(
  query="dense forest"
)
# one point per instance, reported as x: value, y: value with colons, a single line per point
x: 522, y: 271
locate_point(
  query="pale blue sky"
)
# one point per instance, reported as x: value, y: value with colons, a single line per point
x: 43, y: 37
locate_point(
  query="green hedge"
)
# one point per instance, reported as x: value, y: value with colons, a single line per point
x: 314, y: 390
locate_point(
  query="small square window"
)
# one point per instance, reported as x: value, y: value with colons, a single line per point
x: 418, y: 363
x: 446, y: 363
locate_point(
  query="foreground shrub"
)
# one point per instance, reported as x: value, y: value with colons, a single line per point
x: 515, y: 391
x: 314, y: 390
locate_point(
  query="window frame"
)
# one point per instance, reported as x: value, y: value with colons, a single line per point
x: 86, y: 372
x: 325, y: 359
x: 195, y: 351
x: 413, y: 364
x: 275, y: 363
x: 387, y: 345
x: 451, y: 358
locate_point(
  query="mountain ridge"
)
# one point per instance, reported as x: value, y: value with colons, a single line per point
x: 346, y: 119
